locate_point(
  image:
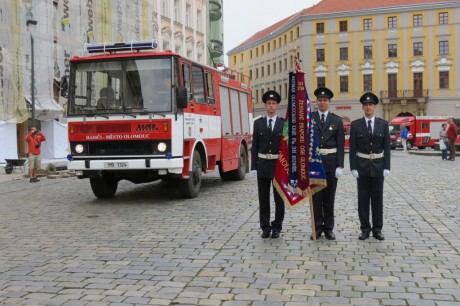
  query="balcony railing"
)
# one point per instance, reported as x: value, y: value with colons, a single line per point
x: 406, y: 93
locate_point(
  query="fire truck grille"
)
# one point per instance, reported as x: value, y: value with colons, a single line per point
x: 121, y: 148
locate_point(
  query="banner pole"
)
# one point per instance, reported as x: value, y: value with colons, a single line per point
x: 312, y: 215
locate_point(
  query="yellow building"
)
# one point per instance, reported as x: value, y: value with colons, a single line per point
x: 407, y: 53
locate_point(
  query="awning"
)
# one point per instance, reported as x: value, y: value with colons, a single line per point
x: 46, y: 109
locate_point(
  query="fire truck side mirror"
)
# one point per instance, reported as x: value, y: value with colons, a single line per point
x: 182, y: 97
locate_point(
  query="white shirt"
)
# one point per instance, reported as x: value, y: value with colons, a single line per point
x: 325, y: 115
x: 372, y: 122
x: 273, y: 121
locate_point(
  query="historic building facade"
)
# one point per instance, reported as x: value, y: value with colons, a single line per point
x: 408, y: 54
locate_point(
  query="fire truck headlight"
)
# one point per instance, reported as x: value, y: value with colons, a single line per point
x: 79, y: 148
x: 161, y: 147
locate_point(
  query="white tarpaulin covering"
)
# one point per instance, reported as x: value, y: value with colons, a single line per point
x: 56, y: 144
x: 8, y: 144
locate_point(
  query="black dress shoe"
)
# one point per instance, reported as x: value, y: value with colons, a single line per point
x: 378, y: 236
x: 318, y: 235
x: 265, y: 234
x: 329, y: 235
x: 275, y: 234
x: 363, y: 236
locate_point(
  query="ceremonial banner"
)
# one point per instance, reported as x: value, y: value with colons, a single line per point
x: 299, y: 172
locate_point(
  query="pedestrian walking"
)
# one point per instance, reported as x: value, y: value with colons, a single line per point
x: 267, y: 135
x: 451, y: 136
x: 404, y: 134
x: 34, y: 140
x: 331, y: 138
x: 443, y: 141
x: 370, y: 155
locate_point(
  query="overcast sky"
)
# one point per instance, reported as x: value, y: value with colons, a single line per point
x: 244, y: 18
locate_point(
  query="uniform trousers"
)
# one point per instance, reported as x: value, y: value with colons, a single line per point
x: 263, y: 186
x: 370, y: 194
x: 323, y: 205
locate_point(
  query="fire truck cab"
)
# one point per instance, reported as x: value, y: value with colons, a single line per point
x: 423, y: 131
x: 141, y: 115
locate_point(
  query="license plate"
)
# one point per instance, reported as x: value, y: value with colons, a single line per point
x: 116, y: 165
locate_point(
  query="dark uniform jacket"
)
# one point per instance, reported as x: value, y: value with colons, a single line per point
x: 331, y: 135
x: 361, y: 141
x: 266, y: 142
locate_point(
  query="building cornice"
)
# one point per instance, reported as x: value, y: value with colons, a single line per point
x: 312, y: 17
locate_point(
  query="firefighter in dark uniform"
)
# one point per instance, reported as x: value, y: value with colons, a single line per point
x: 331, y: 137
x: 370, y: 163
x: 267, y: 135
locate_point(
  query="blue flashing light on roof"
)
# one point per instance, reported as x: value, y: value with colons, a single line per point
x: 121, y: 46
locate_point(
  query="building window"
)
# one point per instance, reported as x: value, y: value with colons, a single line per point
x: 262, y: 49
x: 367, y: 82
x: 392, y: 50
x: 443, y: 47
x: 274, y: 68
x: 257, y: 73
x: 320, y: 55
x: 285, y: 64
x: 274, y: 44
x: 368, y: 52
x: 279, y: 66
x: 177, y: 10
x: 250, y: 74
x: 418, y: 20
x: 250, y: 53
x: 188, y: 15
x: 392, y: 22
x: 443, y: 18
x: 343, y: 54
x: 367, y: 24
x: 344, y: 83
x: 268, y: 69
x: 190, y: 54
x: 262, y: 71
x: 164, y: 8
x: 268, y: 47
x: 320, y: 28
x: 165, y: 45
x: 343, y: 26
x: 285, y: 91
x: 198, y: 21
x: 418, y: 49
x: 444, y: 79
x: 320, y: 82
x: 257, y: 96
x: 200, y: 58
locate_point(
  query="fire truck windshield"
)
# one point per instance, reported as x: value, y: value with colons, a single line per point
x: 395, y: 129
x: 121, y: 86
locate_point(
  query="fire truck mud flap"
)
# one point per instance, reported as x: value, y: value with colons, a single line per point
x: 190, y: 187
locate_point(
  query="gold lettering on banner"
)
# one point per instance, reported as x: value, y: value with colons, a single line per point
x: 300, y: 86
x: 283, y: 161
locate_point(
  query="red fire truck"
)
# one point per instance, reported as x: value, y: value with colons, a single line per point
x: 423, y: 130
x: 141, y: 115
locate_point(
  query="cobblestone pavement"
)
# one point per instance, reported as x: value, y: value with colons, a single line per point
x: 59, y: 245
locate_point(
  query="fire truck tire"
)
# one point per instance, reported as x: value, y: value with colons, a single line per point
x: 409, y: 145
x: 189, y: 188
x: 225, y: 176
x: 103, y: 187
x: 239, y: 173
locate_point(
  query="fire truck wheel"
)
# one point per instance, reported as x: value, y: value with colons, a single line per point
x: 103, y: 187
x: 240, y: 172
x: 409, y: 145
x: 189, y: 188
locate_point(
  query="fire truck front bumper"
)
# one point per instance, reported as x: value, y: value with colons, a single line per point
x: 173, y: 165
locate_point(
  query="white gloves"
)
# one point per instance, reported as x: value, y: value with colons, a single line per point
x: 254, y: 173
x: 338, y: 172
x: 355, y: 173
x: 386, y: 172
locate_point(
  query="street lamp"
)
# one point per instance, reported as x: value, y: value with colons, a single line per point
x: 31, y: 24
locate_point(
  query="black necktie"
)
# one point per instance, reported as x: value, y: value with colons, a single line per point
x: 322, y: 118
x: 369, y: 126
x: 270, y: 125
